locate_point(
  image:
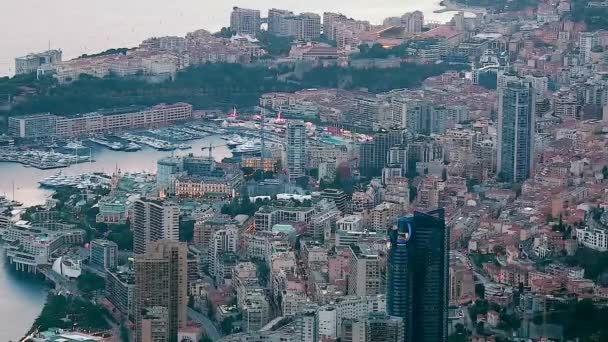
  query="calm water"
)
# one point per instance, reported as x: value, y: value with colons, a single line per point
x: 26, y: 179
x: 21, y: 299
x: 80, y: 27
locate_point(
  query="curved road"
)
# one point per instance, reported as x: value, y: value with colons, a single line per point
x: 207, y: 324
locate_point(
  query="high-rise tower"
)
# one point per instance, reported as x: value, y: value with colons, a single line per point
x: 417, y: 279
x: 153, y: 220
x: 160, y: 292
x: 516, y: 112
x: 296, y: 150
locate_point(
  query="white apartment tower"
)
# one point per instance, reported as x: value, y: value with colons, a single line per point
x: 586, y: 42
x: 153, y: 220
x: 296, y: 150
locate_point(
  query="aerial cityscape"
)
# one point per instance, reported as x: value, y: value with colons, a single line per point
x: 307, y: 176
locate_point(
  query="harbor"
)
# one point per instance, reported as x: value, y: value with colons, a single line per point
x: 40, y: 159
x: 30, y: 192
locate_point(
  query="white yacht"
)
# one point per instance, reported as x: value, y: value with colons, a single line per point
x: 75, y: 145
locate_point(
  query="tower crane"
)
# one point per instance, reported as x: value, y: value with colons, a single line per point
x: 211, y: 147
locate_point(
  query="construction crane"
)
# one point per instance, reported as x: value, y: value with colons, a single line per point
x: 211, y: 147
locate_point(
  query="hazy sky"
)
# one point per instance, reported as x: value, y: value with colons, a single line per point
x: 86, y: 26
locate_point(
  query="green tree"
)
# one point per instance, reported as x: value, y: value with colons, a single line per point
x: 225, y: 32
x: 122, y: 235
x: 186, y: 229
x: 227, y: 325
x: 413, y: 193
x: 480, y: 291
x: 88, y: 283
x: 121, y: 51
x: 263, y: 272
x: 302, y: 182
x: 64, y: 312
x: 275, y: 46
x: 124, y: 333
x: 488, y: 80
x: 499, y: 250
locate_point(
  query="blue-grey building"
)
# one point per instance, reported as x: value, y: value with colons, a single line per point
x: 104, y: 254
x: 516, y: 114
x: 417, y: 277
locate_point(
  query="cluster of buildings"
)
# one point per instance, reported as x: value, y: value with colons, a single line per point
x: 392, y: 215
x: 156, y: 59
x: 47, y: 125
x: 196, y: 177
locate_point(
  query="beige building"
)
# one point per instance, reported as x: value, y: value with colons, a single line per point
x: 116, y: 120
x: 365, y: 278
x: 160, y: 294
x: 153, y: 220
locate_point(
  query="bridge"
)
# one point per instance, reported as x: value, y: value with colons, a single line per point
x: 61, y: 283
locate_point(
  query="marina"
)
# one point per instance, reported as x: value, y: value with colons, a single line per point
x: 43, y: 160
x: 30, y: 192
x: 81, y: 181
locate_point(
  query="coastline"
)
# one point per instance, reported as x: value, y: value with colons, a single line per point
x: 25, y: 280
x: 455, y: 6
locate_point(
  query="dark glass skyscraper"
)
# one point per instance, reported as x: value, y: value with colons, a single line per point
x: 417, y: 284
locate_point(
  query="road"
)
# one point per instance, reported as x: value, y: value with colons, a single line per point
x: 206, y: 323
x: 60, y: 282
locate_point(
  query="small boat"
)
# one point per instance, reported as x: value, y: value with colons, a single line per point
x: 75, y: 145
x: 132, y: 147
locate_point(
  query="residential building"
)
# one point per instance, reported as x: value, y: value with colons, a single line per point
x: 305, y: 26
x: 374, y: 155
x: 516, y: 115
x: 277, y: 23
x: 337, y: 196
x: 417, y: 275
x: 350, y: 223
x: 307, y: 324
x: 32, y: 126
x: 154, y: 325
x: 266, y: 217
x: 332, y: 316
x: 296, y: 150
x: 365, y: 276
x: 587, y: 41
x: 167, y: 171
x: 594, y: 238
x: 412, y: 21
x: 161, y: 282
x: 153, y: 220
x: 104, y: 121
x: 103, y: 254
x: 120, y: 285
x: 256, y: 311
x: 353, y: 330
x: 381, y: 327
x: 245, y: 21
x: 222, y: 242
